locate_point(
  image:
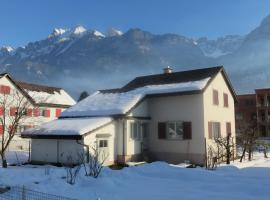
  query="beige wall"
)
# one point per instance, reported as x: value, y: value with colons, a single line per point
x: 107, y: 132
x: 218, y: 113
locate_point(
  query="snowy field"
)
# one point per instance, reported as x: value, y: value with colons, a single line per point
x: 247, y: 181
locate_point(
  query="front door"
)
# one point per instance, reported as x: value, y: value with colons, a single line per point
x: 103, y: 150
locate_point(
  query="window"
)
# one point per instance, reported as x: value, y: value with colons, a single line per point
x: 4, y: 89
x: 175, y: 130
x: 213, y: 130
x: 103, y: 143
x: 239, y: 116
x: 135, y: 132
x: 215, y: 97
x: 225, y: 99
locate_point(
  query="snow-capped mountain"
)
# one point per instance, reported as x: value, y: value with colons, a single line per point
x: 86, y: 59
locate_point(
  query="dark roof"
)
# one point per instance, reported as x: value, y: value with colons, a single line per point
x: 175, y: 77
x: 38, y: 88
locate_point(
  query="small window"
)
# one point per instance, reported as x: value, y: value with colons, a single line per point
x: 215, y: 97
x: 135, y: 132
x: 175, y: 130
x: 103, y: 143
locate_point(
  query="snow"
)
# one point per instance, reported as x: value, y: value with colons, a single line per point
x: 155, y: 181
x: 57, y: 32
x: 104, y: 104
x: 98, y: 34
x: 114, y: 32
x: 71, y: 126
x: 60, y: 97
x: 79, y: 30
x: 17, y: 157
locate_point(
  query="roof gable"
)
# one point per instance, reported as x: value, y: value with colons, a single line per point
x: 42, y: 95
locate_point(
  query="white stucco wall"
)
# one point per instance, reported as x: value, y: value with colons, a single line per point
x: 177, y: 108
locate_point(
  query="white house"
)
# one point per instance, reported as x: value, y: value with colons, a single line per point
x: 44, y: 104
x: 169, y: 116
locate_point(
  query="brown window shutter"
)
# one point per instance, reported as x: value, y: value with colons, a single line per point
x: 210, y: 131
x: 215, y: 97
x: 187, y: 129
x: 161, y: 130
x: 228, y: 128
x: 225, y: 98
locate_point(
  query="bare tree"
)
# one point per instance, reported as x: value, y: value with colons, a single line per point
x: 94, y: 166
x: 71, y: 170
x: 211, y: 163
x: 13, y: 112
x: 248, y: 138
x: 226, y: 144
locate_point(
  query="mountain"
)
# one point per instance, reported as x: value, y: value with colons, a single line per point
x: 84, y: 59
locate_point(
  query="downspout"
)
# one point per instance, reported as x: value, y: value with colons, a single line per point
x: 87, y: 150
x: 124, y: 130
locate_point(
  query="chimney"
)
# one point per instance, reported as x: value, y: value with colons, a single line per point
x: 167, y: 70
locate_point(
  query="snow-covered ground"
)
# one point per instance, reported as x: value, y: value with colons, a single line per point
x: 247, y: 181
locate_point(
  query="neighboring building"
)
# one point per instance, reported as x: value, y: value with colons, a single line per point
x: 45, y: 104
x: 254, y: 107
x: 245, y: 110
x: 171, y: 117
x: 263, y: 111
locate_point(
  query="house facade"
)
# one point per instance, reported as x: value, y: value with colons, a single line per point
x: 171, y: 117
x: 41, y: 103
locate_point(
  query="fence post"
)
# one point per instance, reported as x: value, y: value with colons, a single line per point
x: 23, y: 193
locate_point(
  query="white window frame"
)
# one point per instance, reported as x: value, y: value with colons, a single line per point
x: 218, y: 128
x: 176, y: 136
x: 140, y: 135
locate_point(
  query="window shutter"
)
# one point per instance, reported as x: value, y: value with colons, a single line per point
x: 228, y: 128
x: 47, y: 113
x: 226, y: 102
x: 1, y: 129
x: 57, y: 112
x: 215, y: 97
x: 161, y: 130
x: 219, y: 129
x: 29, y: 112
x: 4, y: 89
x: 13, y: 111
x: 187, y: 129
x: 2, y: 110
x: 210, y: 130
x: 36, y: 112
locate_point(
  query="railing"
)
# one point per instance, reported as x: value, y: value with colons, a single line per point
x: 21, y: 193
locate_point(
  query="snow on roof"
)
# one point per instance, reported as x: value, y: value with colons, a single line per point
x: 47, y: 94
x: 107, y: 104
x: 58, y: 97
x: 69, y: 126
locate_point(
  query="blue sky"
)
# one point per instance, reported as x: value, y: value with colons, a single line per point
x: 22, y: 21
